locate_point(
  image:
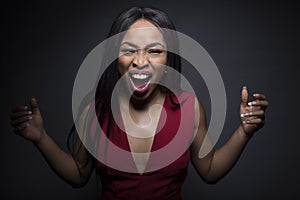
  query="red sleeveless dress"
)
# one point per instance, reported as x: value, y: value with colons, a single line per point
x: 167, y: 165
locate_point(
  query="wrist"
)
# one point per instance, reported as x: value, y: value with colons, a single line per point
x: 243, y: 134
x: 42, y: 137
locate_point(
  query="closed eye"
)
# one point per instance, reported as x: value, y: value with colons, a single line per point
x: 155, y: 51
x: 128, y: 51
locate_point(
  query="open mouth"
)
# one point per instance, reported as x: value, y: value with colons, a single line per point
x: 140, y: 80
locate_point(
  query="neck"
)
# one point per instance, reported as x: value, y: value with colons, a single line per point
x: 140, y: 104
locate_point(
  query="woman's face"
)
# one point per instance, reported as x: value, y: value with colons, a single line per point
x: 143, y: 55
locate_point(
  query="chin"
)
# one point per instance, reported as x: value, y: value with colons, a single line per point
x: 144, y: 95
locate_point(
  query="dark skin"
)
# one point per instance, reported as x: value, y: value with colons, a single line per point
x: 27, y: 122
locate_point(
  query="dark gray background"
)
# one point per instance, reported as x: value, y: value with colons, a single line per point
x: 253, y: 43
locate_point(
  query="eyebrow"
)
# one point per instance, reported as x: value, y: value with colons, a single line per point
x: 147, y: 46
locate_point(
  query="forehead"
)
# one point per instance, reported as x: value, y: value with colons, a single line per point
x: 142, y: 33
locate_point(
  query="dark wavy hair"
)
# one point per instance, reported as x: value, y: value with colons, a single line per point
x: 104, y: 88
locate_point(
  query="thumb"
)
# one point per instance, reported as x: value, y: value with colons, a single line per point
x: 244, y: 96
x: 34, y: 106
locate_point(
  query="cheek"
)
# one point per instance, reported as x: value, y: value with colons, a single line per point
x: 160, y: 65
x: 165, y: 60
x: 123, y: 65
x: 159, y: 61
x: 159, y: 72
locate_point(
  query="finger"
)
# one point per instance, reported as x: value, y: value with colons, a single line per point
x: 244, y: 96
x: 16, y: 115
x: 20, y: 120
x: 250, y: 116
x: 253, y: 121
x: 257, y: 113
x: 21, y: 127
x: 19, y: 108
x: 264, y: 103
x: 259, y: 96
x: 34, y: 106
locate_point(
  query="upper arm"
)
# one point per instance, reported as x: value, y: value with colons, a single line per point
x: 84, y: 160
x: 201, y: 141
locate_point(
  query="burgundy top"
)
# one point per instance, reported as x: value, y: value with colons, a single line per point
x: 159, y: 181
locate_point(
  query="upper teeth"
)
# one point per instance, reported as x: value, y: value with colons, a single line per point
x: 140, y: 76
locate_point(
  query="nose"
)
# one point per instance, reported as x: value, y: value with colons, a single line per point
x: 140, y: 59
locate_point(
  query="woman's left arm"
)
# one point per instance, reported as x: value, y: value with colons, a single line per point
x: 218, y: 162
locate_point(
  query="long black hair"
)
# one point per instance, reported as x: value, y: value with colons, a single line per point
x: 110, y: 76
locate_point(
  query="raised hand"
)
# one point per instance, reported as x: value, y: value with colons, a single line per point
x: 27, y: 121
x: 252, y: 113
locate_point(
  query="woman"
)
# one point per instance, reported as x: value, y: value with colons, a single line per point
x: 142, y: 63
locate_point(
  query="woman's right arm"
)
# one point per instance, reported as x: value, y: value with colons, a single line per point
x: 75, y: 169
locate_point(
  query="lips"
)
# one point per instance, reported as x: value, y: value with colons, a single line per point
x: 140, y: 80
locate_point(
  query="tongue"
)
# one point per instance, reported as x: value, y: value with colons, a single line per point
x: 140, y: 83
x: 140, y: 86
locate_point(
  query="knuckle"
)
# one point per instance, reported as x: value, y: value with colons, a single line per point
x: 260, y: 112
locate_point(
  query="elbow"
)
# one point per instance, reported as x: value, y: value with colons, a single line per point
x: 81, y: 179
x: 77, y: 185
x: 211, y: 180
